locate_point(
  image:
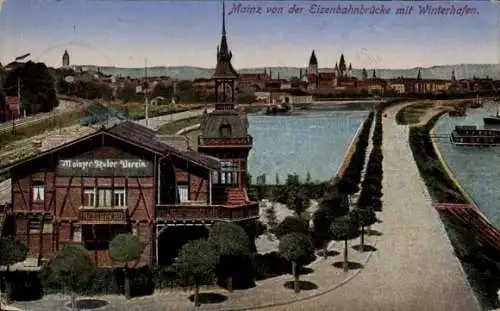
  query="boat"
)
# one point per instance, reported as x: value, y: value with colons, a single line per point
x: 457, y: 112
x: 467, y: 135
x: 477, y: 103
x: 277, y: 109
x: 493, y: 119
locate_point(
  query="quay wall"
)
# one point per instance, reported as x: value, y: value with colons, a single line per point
x: 188, y: 129
x: 349, y: 152
x: 454, y: 179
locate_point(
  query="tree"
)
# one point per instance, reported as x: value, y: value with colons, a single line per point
x: 292, y: 224
x: 126, y: 247
x: 331, y: 207
x: 295, y: 195
x: 347, y: 185
x: 231, y: 242
x: 364, y: 74
x: 272, y: 220
x: 185, y: 90
x: 127, y: 93
x: 11, y: 252
x: 365, y: 218
x: 342, y: 65
x: 37, y: 87
x: 308, y: 178
x: 298, y: 249
x: 322, y: 220
x: 245, y: 98
x: 73, y: 266
x: 197, y: 260
x: 343, y: 229
x: 162, y: 90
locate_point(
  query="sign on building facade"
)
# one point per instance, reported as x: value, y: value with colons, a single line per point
x: 104, y: 167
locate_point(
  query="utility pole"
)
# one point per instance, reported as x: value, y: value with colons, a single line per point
x: 146, y: 110
x: 18, y: 105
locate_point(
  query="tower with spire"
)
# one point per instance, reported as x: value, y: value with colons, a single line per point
x: 312, y: 71
x: 224, y: 76
x: 224, y: 132
x: 419, y: 81
x: 65, y: 59
x: 313, y: 64
x: 453, y: 78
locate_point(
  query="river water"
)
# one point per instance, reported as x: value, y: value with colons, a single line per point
x: 477, y: 169
x: 313, y: 141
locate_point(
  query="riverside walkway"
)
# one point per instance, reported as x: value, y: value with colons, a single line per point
x: 414, y: 267
x: 156, y: 122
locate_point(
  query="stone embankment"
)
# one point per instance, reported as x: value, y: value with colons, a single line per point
x: 156, y: 122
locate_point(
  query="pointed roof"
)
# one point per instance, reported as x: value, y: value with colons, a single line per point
x: 224, y: 68
x: 313, y: 60
x: 66, y: 53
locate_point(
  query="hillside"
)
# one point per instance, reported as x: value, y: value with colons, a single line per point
x: 462, y: 71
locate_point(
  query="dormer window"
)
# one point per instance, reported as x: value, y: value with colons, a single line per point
x: 225, y: 130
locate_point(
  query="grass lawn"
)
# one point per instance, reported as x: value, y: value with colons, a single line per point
x: 411, y: 114
x: 174, y: 127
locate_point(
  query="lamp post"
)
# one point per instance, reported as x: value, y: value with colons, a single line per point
x: 146, y: 108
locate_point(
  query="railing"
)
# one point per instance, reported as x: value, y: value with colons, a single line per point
x: 192, y: 212
x: 99, y: 215
x: 230, y: 141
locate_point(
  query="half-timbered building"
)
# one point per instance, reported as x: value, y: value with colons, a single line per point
x: 118, y: 180
x: 127, y: 179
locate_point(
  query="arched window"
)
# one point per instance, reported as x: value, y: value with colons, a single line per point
x: 225, y: 130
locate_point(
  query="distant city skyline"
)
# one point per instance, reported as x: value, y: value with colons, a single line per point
x: 175, y: 33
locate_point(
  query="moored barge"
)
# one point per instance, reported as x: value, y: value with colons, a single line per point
x: 472, y: 136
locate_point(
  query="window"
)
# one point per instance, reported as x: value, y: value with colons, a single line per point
x: 47, y: 225
x: 38, y: 192
x: 225, y: 130
x: 119, y: 197
x: 104, y: 196
x: 34, y: 226
x: 76, y: 233
x: 183, y: 192
x: 89, y: 197
x: 228, y: 175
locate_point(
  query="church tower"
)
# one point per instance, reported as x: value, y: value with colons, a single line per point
x: 65, y: 59
x: 224, y: 132
x: 312, y: 69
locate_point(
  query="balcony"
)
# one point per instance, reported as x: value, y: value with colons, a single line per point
x: 224, y: 142
x: 103, y: 215
x: 205, y: 212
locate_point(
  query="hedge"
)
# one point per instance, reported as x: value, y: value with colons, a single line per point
x: 442, y: 189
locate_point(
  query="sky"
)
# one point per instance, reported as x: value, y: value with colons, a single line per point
x: 186, y: 33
